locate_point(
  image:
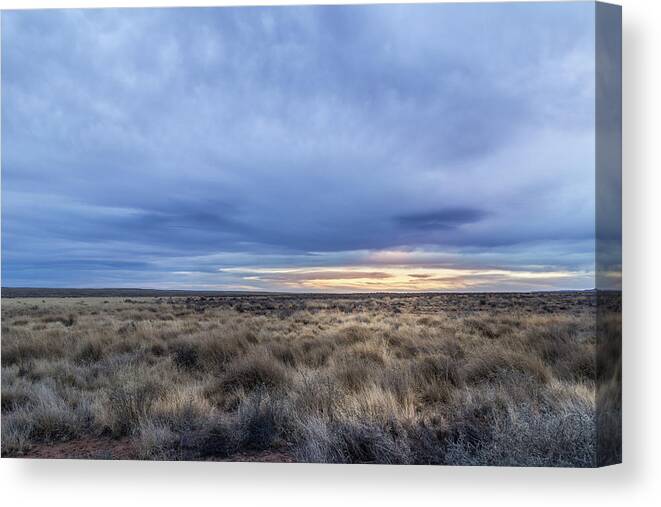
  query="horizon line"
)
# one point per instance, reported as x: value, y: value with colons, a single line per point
x: 293, y: 293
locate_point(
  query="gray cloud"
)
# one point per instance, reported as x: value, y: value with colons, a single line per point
x: 448, y: 218
x: 138, y: 143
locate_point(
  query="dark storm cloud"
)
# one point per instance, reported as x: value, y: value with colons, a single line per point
x: 141, y: 145
x: 441, y: 219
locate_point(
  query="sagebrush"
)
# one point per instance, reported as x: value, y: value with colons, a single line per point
x: 474, y: 379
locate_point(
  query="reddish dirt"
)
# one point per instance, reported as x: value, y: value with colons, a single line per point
x: 106, y: 448
x: 84, y: 448
x: 262, y: 457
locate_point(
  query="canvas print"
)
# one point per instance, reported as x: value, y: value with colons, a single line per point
x: 383, y: 234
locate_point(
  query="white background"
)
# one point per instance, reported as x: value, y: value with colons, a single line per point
x: 636, y: 482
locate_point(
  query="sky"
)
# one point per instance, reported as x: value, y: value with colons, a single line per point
x: 310, y: 149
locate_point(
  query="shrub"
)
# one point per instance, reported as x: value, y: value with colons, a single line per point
x: 156, y: 441
x: 185, y: 355
x: 353, y: 373
x: 369, y: 443
x: 317, y: 442
x: 16, y: 391
x: 315, y: 353
x: 341, y: 380
x: 432, y: 370
x: 529, y: 437
x: 181, y: 408
x: 495, y: 364
x: 257, y: 370
x: 351, y: 442
x: 68, y: 321
x: 582, y: 366
x: 372, y: 352
x: 218, y: 440
x: 484, y: 328
x: 16, y: 435
x: 50, y: 417
x: 216, y: 352
x: 130, y: 403
x: 157, y: 349
x: 90, y: 352
x: 352, y: 334
x: 283, y: 353
x: 257, y: 422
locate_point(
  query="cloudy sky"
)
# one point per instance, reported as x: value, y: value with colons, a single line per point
x: 430, y: 147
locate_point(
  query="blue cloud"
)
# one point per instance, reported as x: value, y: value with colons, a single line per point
x: 139, y: 143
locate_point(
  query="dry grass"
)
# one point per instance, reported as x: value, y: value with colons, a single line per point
x: 343, y: 380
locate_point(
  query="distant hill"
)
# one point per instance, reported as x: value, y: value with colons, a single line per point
x: 41, y: 292
x: 44, y: 292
